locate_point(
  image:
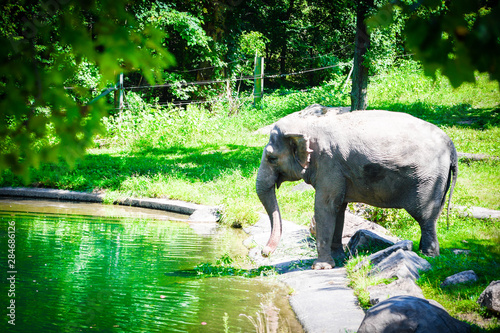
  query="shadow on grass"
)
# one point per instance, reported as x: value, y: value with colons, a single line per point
x: 102, y: 170
x: 462, y: 115
x: 482, y: 259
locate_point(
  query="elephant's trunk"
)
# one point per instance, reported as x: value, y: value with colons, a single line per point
x: 265, y: 187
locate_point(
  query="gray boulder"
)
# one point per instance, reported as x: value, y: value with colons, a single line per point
x: 405, y: 245
x: 382, y: 292
x: 401, y: 264
x: 410, y: 314
x: 377, y: 257
x: 367, y: 240
x: 490, y: 297
x: 355, y: 223
x: 462, y: 277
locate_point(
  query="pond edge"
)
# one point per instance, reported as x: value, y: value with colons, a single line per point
x: 196, y: 212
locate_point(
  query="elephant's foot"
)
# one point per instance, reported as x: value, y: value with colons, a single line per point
x: 323, y: 264
x: 432, y: 252
x: 429, y: 248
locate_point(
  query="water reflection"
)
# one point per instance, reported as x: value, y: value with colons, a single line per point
x: 93, y: 273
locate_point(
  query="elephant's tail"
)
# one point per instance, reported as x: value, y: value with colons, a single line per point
x: 454, y: 171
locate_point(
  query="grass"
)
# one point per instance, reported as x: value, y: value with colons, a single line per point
x: 225, y: 266
x: 360, y: 280
x: 209, y: 155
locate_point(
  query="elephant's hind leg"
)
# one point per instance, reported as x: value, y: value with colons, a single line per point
x: 426, y: 208
x: 427, y: 219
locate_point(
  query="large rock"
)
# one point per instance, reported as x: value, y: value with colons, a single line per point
x: 367, y: 240
x: 377, y: 257
x: 410, y: 314
x: 462, y: 277
x: 353, y: 224
x: 490, y: 297
x: 401, y: 264
x: 396, y: 288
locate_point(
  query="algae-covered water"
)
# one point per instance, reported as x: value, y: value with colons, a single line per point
x: 129, y: 271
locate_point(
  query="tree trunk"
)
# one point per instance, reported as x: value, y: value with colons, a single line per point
x: 362, y: 43
x: 284, y: 49
x: 215, y: 27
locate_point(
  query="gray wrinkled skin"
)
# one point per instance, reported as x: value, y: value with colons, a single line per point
x: 381, y: 158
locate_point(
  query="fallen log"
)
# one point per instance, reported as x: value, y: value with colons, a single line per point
x: 466, y: 157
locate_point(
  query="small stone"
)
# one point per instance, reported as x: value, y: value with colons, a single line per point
x: 490, y: 297
x: 460, y: 251
x: 462, y: 277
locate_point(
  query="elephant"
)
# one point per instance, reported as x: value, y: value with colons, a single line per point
x: 381, y: 158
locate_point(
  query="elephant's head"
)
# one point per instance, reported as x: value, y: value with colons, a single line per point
x: 285, y: 158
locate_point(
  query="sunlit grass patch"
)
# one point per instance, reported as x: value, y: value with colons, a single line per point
x: 360, y: 280
x: 478, y: 185
x: 475, y: 141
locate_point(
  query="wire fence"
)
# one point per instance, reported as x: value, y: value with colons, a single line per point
x: 122, y: 88
x: 244, y: 78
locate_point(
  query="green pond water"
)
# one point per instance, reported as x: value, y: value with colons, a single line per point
x: 76, y: 270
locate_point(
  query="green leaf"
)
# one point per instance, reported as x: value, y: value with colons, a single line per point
x: 382, y: 18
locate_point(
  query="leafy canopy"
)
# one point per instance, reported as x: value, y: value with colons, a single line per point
x: 456, y: 37
x: 43, y: 46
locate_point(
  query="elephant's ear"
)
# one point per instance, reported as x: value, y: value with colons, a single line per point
x: 300, y: 148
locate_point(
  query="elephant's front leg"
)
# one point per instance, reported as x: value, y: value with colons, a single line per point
x: 325, y: 216
x: 337, y: 247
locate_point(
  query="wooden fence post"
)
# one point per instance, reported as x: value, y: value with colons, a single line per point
x: 117, y: 89
x: 258, y: 74
x: 348, y: 77
x: 119, y: 93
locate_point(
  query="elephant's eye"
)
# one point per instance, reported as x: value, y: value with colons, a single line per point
x: 272, y: 159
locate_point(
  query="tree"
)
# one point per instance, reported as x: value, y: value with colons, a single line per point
x: 43, y: 44
x: 456, y: 37
x: 362, y: 43
x: 193, y: 48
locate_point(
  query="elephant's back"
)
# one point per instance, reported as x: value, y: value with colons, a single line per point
x: 392, y: 137
x: 384, y: 119
x: 389, y: 127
